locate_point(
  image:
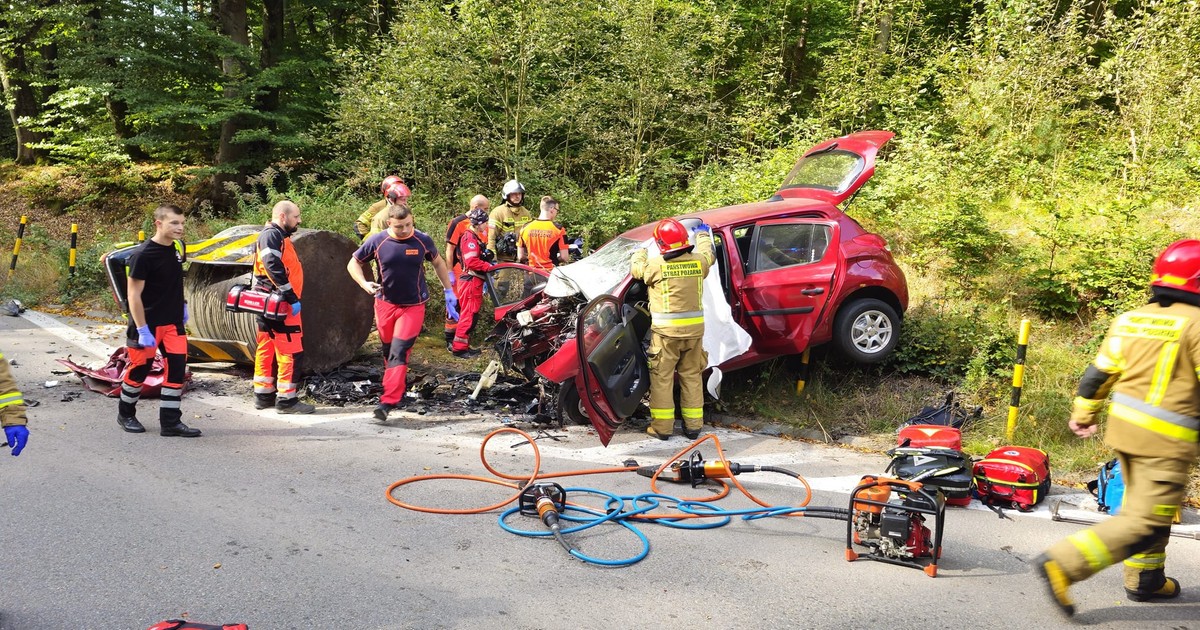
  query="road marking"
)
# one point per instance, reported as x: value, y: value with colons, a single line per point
x: 67, y: 333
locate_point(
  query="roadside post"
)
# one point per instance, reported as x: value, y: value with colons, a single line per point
x: 74, y: 244
x: 1018, y: 378
x: 17, y: 246
x: 141, y: 236
x: 802, y: 378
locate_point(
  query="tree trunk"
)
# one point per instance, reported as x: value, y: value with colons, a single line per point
x: 14, y: 73
x: 117, y: 108
x: 883, y: 34
x: 231, y: 16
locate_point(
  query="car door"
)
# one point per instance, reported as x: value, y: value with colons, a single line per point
x: 510, y: 284
x: 790, y: 269
x: 613, y: 364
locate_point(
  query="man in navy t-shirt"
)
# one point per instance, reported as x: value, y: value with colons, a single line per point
x: 400, y: 253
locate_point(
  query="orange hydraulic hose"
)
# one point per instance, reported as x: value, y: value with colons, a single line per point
x: 508, y: 480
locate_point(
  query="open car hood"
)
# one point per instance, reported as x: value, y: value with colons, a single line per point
x: 835, y: 169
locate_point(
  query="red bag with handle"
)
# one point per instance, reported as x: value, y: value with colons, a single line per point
x: 1013, y: 475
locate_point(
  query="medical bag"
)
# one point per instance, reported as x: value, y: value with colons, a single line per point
x: 241, y: 298
x: 1013, y: 475
x: 918, y: 435
x: 179, y: 624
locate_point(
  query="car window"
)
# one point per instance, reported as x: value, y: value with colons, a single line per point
x: 742, y: 236
x: 790, y: 244
x: 829, y: 170
x: 513, y: 284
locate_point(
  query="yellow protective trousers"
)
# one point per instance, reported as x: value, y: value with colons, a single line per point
x: 669, y: 355
x: 1138, y: 534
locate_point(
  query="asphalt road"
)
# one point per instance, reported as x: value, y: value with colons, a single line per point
x: 282, y: 522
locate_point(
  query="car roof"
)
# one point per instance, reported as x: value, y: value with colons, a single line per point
x: 746, y: 212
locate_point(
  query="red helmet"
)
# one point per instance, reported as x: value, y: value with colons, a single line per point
x: 670, y: 236
x: 397, y: 192
x: 388, y: 182
x: 1178, y: 267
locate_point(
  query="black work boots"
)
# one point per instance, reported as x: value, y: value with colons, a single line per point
x: 130, y: 423
x: 293, y: 405
x: 264, y: 401
x: 175, y: 428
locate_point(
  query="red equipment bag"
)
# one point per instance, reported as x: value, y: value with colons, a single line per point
x: 179, y: 624
x: 919, y: 435
x: 241, y: 298
x: 1014, y: 475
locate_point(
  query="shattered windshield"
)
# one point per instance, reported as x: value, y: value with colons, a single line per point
x: 596, y: 274
x: 829, y: 170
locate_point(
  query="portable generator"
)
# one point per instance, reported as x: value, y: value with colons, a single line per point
x: 888, y: 516
x: 242, y: 298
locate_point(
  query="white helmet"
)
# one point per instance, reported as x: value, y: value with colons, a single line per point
x: 512, y: 186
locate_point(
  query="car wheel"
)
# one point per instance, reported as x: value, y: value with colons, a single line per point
x: 866, y: 330
x: 570, y: 407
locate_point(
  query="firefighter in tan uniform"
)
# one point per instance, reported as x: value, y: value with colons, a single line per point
x: 12, y: 410
x: 1150, y: 363
x: 505, y: 219
x: 675, y: 279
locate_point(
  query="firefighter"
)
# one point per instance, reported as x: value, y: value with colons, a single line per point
x: 362, y: 225
x: 397, y: 193
x: 542, y: 243
x: 12, y: 409
x: 675, y: 279
x: 400, y: 295
x: 454, y: 232
x: 470, y: 281
x: 157, y: 314
x: 1150, y: 363
x: 507, y: 218
x: 280, y: 345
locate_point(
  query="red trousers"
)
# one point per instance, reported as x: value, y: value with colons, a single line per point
x: 470, y: 300
x: 174, y: 347
x: 275, y: 355
x: 398, y: 330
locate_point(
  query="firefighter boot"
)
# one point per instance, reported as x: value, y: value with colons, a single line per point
x: 130, y: 423
x: 1057, y: 582
x: 264, y: 401
x: 1152, y: 585
x: 293, y: 405
x: 176, y: 428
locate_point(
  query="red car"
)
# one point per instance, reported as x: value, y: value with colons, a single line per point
x: 795, y: 272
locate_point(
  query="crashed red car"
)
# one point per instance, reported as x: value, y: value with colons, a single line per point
x: 793, y: 272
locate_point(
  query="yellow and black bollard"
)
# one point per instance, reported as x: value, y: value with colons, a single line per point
x: 17, y: 246
x: 802, y: 378
x: 1018, y: 378
x: 74, y: 244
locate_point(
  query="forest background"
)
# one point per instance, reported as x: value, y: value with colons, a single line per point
x: 1045, y: 150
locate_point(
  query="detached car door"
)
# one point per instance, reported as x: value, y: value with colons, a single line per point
x: 613, y: 365
x: 789, y: 275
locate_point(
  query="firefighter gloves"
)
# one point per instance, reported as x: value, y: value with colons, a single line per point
x: 145, y: 337
x: 451, y: 304
x: 17, y: 435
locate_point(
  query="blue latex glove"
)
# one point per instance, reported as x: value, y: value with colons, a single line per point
x: 186, y: 315
x: 295, y: 308
x: 145, y: 337
x: 453, y: 280
x: 17, y: 435
x: 451, y: 304
x: 703, y: 227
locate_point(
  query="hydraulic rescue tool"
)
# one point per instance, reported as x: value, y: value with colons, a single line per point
x: 888, y: 517
x: 545, y: 500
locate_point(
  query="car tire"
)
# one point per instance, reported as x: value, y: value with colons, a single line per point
x: 866, y: 330
x: 570, y: 407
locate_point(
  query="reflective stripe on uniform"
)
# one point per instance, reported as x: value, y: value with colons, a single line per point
x: 686, y: 318
x: 1092, y: 548
x: 692, y: 413
x: 662, y: 414
x: 1088, y: 403
x: 267, y: 253
x: 287, y: 389
x: 1156, y: 419
x: 1163, y: 369
x: 14, y: 398
x: 1146, y: 561
x: 264, y: 384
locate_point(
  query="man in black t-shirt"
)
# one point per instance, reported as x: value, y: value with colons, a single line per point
x: 157, y: 313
